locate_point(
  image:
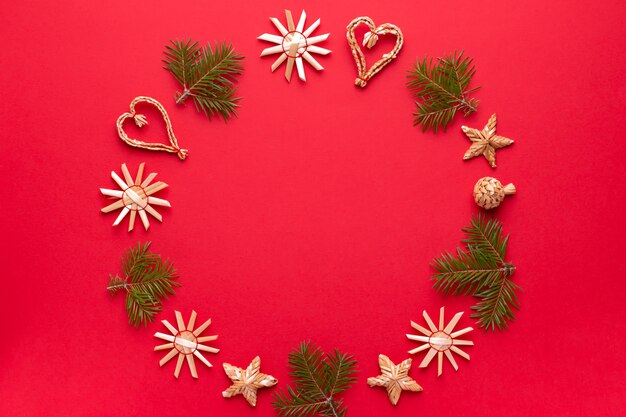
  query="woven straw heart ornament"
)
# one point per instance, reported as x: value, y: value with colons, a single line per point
x: 369, y: 41
x: 141, y: 120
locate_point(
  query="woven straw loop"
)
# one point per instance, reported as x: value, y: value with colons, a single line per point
x: 141, y: 120
x: 370, y: 39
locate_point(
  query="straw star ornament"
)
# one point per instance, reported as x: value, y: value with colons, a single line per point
x: 485, y: 142
x: 247, y: 381
x: 135, y: 196
x: 295, y: 44
x: 186, y: 343
x: 395, y: 378
x: 440, y: 340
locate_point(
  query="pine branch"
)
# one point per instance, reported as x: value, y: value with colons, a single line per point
x: 206, y: 74
x: 486, y: 237
x: 147, y: 280
x: 442, y: 87
x: 495, y: 309
x: 180, y: 59
x: 318, y: 378
x: 481, y: 271
x: 338, y: 370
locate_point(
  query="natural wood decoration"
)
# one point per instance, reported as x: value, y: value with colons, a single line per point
x: 295, y: 43
x: 489, y: 192
x: 485, y: 142
x: 135, y: 196
x: 440, y: 340
x: 186, y: 343
x: 247, y: 381
x: 395, y: 378
x: 369, y: 41
x: 141, y: 120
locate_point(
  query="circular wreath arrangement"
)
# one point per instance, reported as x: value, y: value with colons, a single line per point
x: 442, y: 89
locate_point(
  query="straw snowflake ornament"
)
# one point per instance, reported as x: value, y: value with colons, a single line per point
x: 440, y: 340
x: 135, y: 196
x: 186, y: 343
x: 293, y: 44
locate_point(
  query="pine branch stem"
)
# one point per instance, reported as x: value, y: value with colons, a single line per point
x: 125, y: 285
x: 183, y: 96
x: 331, y: 405
x: 467, y: 104
x: 507, y: 269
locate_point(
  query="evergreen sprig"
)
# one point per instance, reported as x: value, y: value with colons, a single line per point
x: 442, y: 87
x: 482, y: 271
x: 207, y: 75
x: 146, y: 279
x: 318, y: 379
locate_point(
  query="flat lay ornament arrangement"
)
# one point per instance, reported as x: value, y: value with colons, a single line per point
x: 442, y: 88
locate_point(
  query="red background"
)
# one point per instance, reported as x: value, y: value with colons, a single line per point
x: 316, y: 213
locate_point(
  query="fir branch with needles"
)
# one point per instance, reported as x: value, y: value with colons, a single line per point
x: 319, y: 377
x: 146, y: 279
x: 207, y: 75
x: 482, y: 271
x: 442, y: 88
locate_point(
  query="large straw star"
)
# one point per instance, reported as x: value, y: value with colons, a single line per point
x: 485, y: 142
x: 394, y: 377
x: 247, y: 381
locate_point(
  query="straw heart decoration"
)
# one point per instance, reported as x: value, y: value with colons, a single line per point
x: 141, y: 120
x: 369, y: 41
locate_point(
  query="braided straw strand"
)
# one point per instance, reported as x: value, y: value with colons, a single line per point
x: 369, y: 41
x: 141, y: 120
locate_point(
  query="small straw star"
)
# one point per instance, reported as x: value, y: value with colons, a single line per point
x: 485, y: 142
x: 395, y: 378
x: 247, y: 381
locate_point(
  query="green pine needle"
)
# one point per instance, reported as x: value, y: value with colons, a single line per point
x: 206, y: 74
x: 481, y: 271
x: 442, y: 87
x: 318, y: 378
x: 147, y: 279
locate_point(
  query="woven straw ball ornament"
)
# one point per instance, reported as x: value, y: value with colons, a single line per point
x: 489, y: 192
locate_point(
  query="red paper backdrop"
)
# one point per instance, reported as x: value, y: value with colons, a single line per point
x: 316, y: 213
